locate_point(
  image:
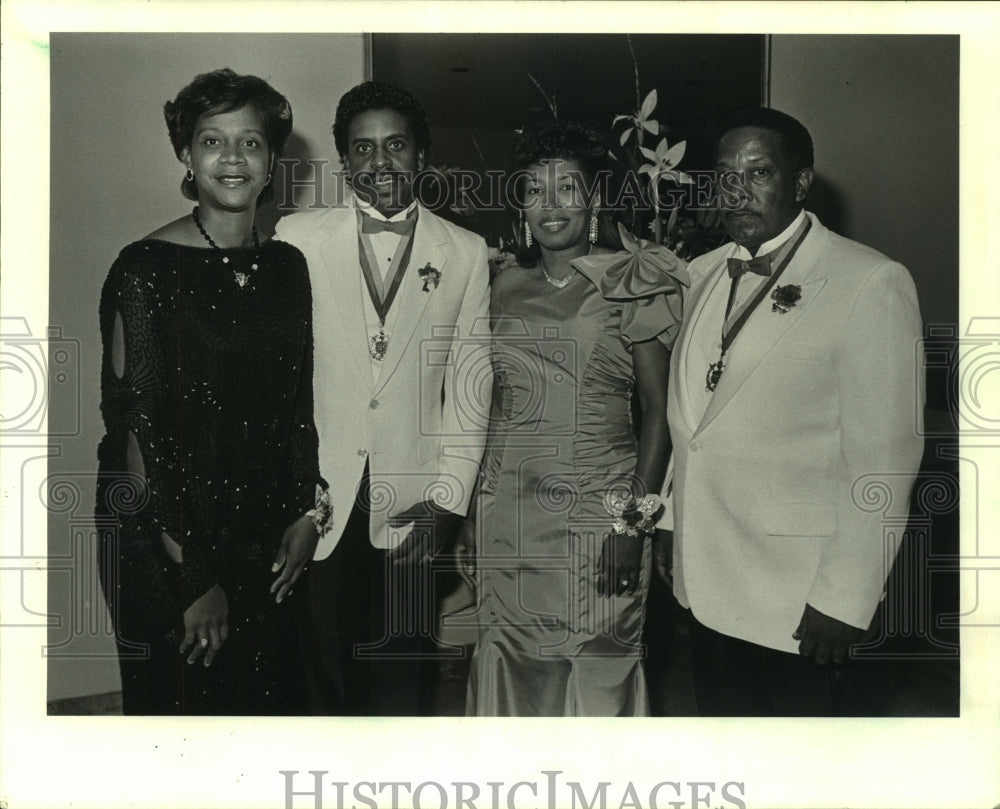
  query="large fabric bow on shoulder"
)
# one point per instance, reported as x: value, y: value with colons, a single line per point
x: 649, y: 278
x: 641, y: 269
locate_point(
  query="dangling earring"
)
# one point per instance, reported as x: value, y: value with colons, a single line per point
x: 527, y: 234
x: 189, y: 176
x: 593, y: 228
x: 268, y: 180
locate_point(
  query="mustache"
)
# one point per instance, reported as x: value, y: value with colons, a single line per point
x: 365, y: 185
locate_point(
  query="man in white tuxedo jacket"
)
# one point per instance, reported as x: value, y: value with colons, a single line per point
x: 795, y: 394
x: 402, y: 386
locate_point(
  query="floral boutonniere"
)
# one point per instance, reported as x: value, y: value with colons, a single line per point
x: 429, y: 275
x: 785, y: 297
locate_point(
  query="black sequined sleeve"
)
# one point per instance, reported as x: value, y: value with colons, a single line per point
x: 302, y: 473
x: 143, y: 401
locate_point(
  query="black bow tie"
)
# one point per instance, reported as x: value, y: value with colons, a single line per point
x: 369, y: 224
x: 761, y: 265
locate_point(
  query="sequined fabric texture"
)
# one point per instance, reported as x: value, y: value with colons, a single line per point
x: 217, y: 391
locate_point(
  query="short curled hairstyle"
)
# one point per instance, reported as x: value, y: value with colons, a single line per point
x: 380, y: 95
x: 226, y: 91
x: 559, y: 140
x: 796, y: 143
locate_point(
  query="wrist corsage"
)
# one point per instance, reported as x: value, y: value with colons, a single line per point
x: 322, y: 514
x: 630, y: 516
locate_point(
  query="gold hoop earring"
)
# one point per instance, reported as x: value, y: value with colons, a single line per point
x: 268, y: 180
x: 189, y: 176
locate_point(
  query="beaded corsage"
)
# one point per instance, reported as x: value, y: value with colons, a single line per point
x: 322, y: 514
x: 630, y: 516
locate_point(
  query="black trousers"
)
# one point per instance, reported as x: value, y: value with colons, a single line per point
x: 733, y: 677
x: 371, y: 627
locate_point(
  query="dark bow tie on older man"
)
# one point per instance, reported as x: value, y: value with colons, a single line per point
x: 760, y: 265
x: 401, y: 227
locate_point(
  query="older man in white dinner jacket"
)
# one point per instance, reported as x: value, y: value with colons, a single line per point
x: 780, y: 550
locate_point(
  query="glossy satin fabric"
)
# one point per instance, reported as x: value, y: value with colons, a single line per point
x: 561, y: 435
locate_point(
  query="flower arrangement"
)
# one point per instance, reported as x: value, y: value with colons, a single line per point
x: 686, y: 233
x: 658, y: 165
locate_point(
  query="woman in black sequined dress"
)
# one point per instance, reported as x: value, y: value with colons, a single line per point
x: 208, y: 469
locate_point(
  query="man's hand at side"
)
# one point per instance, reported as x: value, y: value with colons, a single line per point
x: 433, y: 528
x: 827, y: 639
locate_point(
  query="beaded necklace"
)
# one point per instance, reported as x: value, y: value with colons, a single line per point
x: 242, y: 278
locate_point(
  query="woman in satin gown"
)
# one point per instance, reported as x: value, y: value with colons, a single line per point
x: 580, y: 327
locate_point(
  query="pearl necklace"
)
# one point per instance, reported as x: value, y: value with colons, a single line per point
x: 242, y: 278
x: 560, y: 283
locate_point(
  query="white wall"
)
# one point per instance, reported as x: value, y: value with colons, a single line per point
x: 114, y: 178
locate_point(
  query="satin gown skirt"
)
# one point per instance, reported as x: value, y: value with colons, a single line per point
x: 561, y: 436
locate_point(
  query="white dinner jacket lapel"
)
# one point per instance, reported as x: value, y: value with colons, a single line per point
x: 342, y: 274
x: 764, y: 328
x: 694, y: 306
x: 429, y: 238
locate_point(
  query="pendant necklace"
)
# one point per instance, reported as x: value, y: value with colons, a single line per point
x: 242, y: 278
x: 715, y: 369
x: 382, y: 299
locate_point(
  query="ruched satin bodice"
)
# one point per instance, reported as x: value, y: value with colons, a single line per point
x: 561, y: 436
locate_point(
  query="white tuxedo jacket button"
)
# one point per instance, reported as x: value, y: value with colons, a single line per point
x: 362, y: 453
x: 694, y: 446
x: 373, y: 404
